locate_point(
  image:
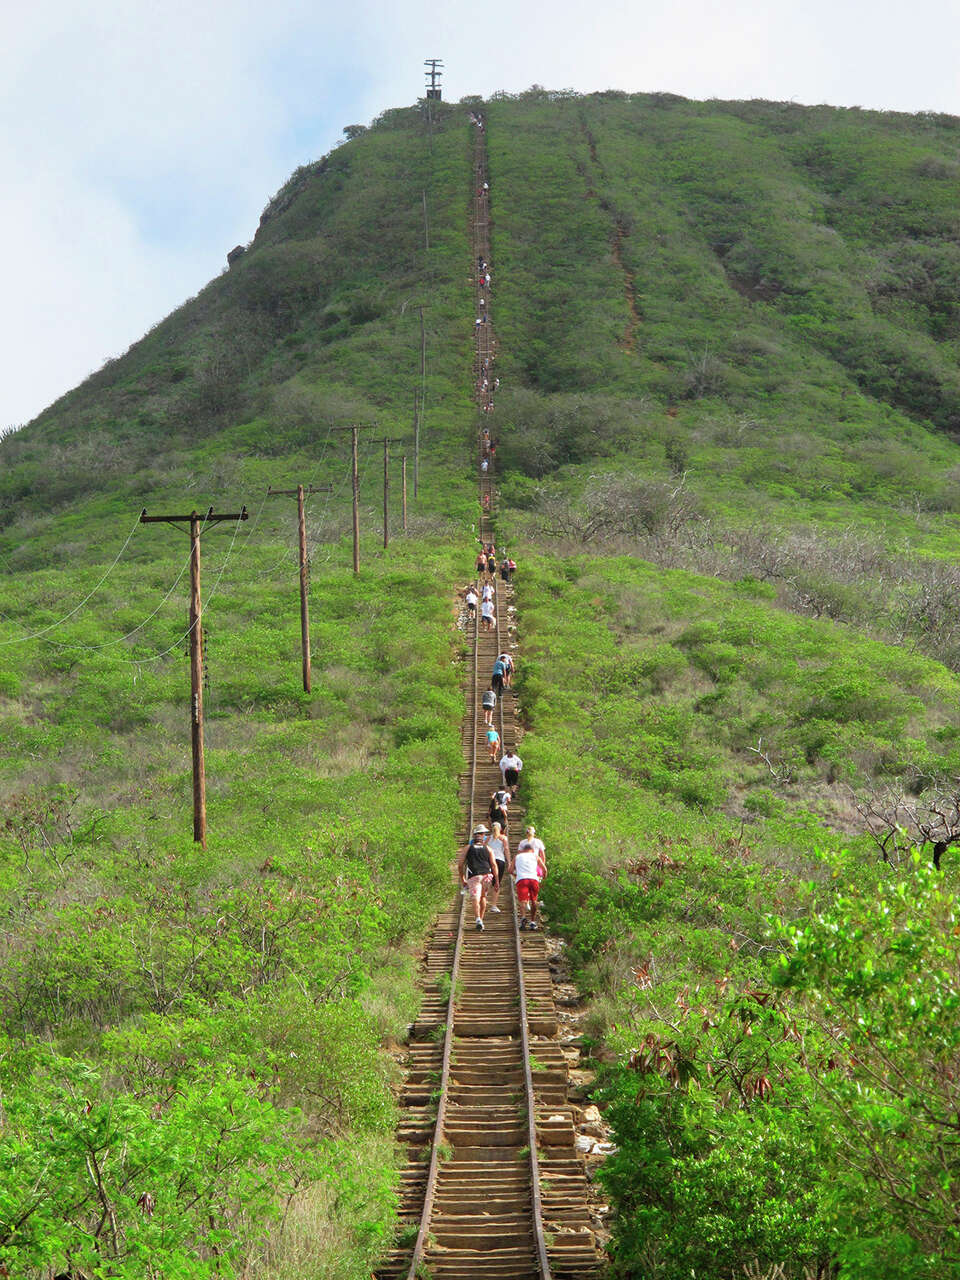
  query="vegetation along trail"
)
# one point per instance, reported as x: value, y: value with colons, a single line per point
x: 716, y: 422
x: 493, y: 1186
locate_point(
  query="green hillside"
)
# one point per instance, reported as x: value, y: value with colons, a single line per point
x: 729, y: 423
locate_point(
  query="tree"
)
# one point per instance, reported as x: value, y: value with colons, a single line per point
x: 877, y: 984
x: 174, y: 1182
x: 613, y: 507
x: 898, y: 822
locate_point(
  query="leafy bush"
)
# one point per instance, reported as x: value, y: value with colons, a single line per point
x: 162, y: 1183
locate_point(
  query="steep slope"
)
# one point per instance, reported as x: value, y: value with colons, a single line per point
x: 780, y: 277
x: 728, y: 350
x: 734, y: 395
x: 226, y: 1009
x: 315, y: 325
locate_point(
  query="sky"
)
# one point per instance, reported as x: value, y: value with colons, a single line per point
x: 140, y: 140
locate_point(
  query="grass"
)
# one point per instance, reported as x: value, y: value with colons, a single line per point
x: 277, y: 961
x: 795, y: 397
x: 285, y: 946
x: 728, y: 339
x: 672, y: 846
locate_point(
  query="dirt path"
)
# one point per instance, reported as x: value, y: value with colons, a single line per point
x: 628, y: 342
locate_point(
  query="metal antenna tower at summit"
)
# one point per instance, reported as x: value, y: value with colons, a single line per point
x: 433, y: 76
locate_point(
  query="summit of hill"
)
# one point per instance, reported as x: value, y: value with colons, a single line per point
x: 781, y: 280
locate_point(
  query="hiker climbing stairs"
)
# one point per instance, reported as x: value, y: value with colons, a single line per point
x: 492, y: 1185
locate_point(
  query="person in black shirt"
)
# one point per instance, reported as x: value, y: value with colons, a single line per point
x: 478, y: 871
x: 499, y: 800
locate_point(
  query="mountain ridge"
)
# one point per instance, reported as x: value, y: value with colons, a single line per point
x: 736, y: 535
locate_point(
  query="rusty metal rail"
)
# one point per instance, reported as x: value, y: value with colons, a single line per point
x: 482, y: 1212
x: 537, y: 1204
x: 437, y: 1146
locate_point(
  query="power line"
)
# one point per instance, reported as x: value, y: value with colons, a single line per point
x: 263, y: 573
x: 108, y: 644
x: 67, y: 616
x: 94, y: 648
x: 136, y: 662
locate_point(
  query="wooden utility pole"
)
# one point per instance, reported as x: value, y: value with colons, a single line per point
x: 355, y: 456
x: 196, y: 688
x: 426, y: 226
x: 356, y: 499
x: 423, y: 389
x: 387, y: 441
x: 403, y: 490
x: 386, y: 491
x: 196, y: 653
x: 298, y: 493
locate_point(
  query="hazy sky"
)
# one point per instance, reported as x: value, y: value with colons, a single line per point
x: 141, y: 139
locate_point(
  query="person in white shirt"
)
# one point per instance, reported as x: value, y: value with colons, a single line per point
x: 529, y: 867
x: 471, y: 602
x: 487, y: 617
x: 510, y: 766
x: 486, y: 591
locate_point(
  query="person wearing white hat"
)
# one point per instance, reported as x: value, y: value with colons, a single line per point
x: 477, y: 868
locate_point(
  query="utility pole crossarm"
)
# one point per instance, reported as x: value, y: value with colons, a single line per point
x: 293, y: 493
x: 209, y: 517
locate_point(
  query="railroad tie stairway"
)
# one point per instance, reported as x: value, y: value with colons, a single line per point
x: 492, y: 1186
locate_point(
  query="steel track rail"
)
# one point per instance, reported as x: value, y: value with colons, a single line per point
x: 543, y: 1261
x: 538, y: 1230
x: 431, y: 1188
x: 485, y: 486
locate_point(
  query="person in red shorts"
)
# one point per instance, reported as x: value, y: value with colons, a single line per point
x: 529, y: 867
